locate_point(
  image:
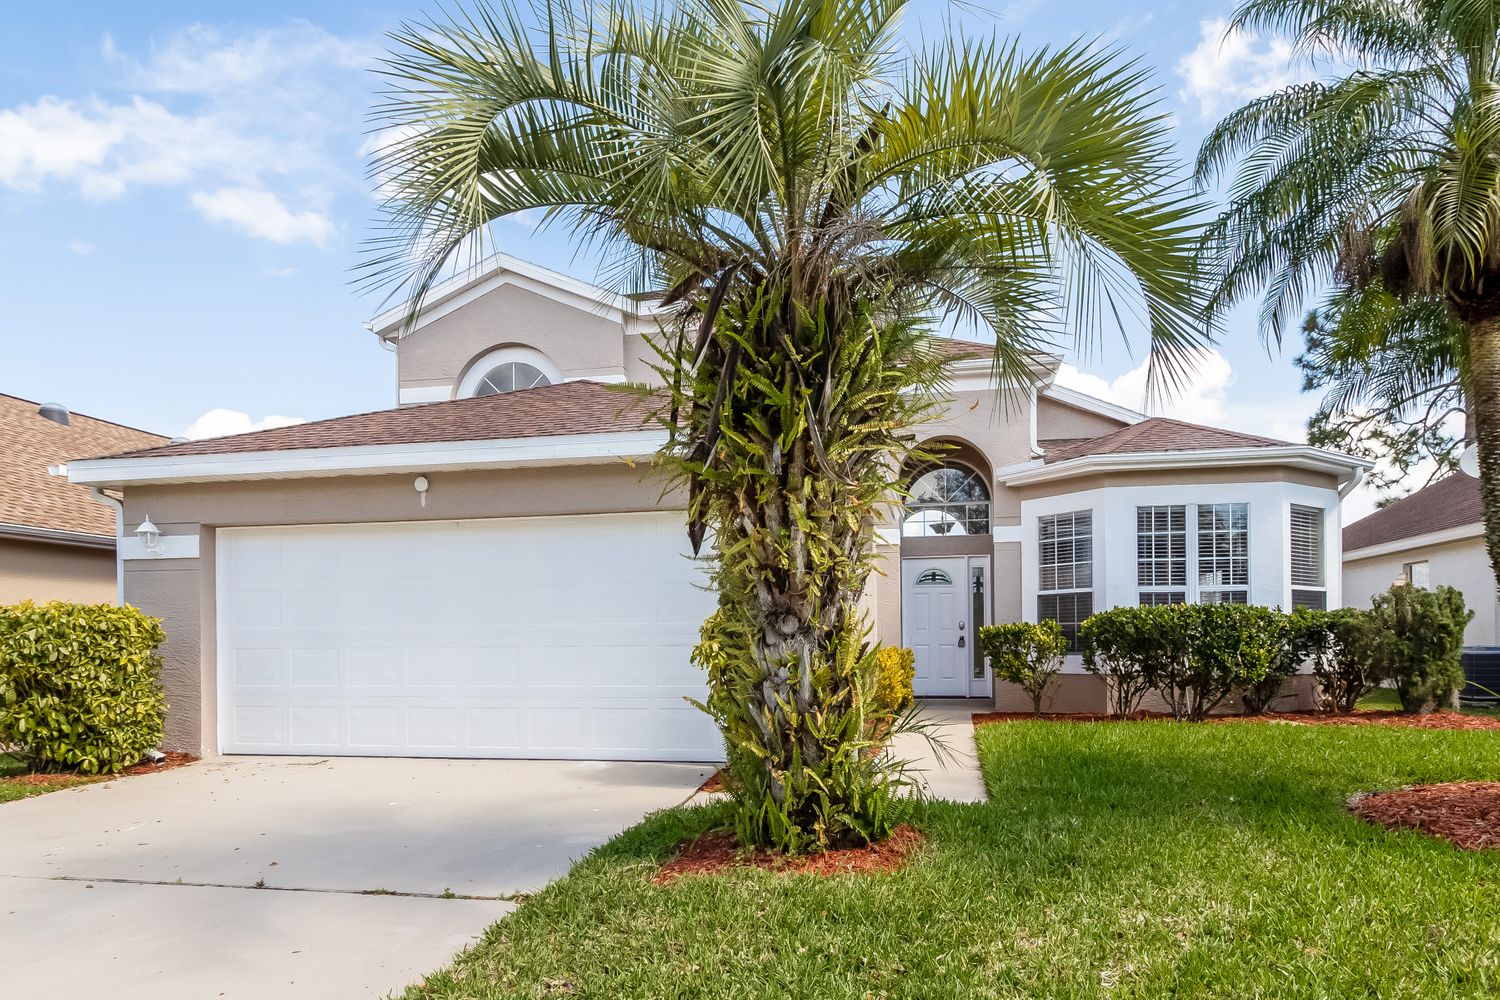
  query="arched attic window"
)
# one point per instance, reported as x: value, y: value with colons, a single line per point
x: 949, y: 499
x: 507, y: 369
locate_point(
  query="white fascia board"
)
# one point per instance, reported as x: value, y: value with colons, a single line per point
x: 28, y: 533
x: 492, y: 272
x: 563, y: 449
x: 1083, y: 401
x: 1300, y: 456
x: 1458, y: 534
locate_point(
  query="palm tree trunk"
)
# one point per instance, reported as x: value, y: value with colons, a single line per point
x: 1484, y: 417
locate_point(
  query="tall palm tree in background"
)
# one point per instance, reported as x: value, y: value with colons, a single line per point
x: 809, y: 199
x: 1385, y: 181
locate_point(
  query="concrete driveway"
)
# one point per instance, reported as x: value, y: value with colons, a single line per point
x: 293, y: 877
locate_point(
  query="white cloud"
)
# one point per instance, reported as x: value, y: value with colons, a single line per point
x: 276, y: 111
x: 81, y: 247
x: 221, y: 422
x: 1202, y: 400
x: 1228, y: 68
x: 261, y: 214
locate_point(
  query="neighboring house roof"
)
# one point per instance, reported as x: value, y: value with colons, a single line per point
x: 35, y: 503
x: 1451, y: 502
x: 1159, y: 434
x: 565, y: 408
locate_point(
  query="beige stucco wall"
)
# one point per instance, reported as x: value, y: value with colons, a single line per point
x: 582, y: 341
x: 181, y: 591
x: 45, y: 571
x: 1461, y: 564
x: 1059, y: 420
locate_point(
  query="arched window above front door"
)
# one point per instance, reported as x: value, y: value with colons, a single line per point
x: 947, y: 500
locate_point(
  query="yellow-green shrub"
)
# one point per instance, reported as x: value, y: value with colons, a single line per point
x: 895, y: 671
x: 80, y: 685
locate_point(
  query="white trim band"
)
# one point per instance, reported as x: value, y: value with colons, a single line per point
x: 1447, y: 535
x: 564, y: 449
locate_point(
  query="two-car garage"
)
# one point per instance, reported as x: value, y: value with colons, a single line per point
x: 559, y: 637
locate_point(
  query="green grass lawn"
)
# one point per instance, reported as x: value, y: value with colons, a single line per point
x: 1120, y: 860
x: 1386, y: 700
x: 10, y: 789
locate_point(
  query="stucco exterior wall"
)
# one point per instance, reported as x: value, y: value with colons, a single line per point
x: 181, y: 591
x: 1115, y: 579
x: 581, y: 342
x: 1059, y: 420
x: 1461, y: 564
x: 44, y: 571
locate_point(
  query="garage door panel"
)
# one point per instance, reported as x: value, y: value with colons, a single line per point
x: 560, y: 637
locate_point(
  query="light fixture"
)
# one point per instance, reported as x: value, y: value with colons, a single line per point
x: 150, y: 536
x: 421, y: 486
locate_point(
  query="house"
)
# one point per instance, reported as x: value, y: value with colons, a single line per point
x: 490, y: 568
x: 57, y: 540
x: 1433, y: 537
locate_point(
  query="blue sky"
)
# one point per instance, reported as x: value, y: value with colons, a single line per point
x: 182, y: 194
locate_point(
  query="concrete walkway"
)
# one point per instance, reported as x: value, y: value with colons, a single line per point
x: 288, y: 877
x: 954, y: 773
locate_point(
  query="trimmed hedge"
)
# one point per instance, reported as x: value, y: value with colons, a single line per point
x: 1026, y: 654
x: 1197, y: 655
x: 80, y: 685
x: 1194, y: 655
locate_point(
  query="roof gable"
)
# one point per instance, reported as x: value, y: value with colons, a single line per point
x: 32, y: 497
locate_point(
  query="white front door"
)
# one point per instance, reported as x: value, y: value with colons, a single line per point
x: 934, y: 624
x: 524, y: 637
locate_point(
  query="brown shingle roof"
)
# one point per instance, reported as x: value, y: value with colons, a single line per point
x: 1451, y: 502
x: 32, y: 497
x: 1162, y: 434
x: 565, y: 408
x: 961, y: 350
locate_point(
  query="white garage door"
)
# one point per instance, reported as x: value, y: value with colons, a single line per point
x: 525, y: 637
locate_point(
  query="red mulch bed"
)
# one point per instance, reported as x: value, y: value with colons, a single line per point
x: 715, y: 783
x: 719, y: 851
x: 174, y: 760
x: 1432, y: 720
x: 1465, y: 813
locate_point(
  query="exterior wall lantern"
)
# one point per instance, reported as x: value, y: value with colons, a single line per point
x: 150, y: 536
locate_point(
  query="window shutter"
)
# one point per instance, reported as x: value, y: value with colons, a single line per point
x: 1307, y: 546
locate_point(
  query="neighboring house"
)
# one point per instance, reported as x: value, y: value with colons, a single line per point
x: 496, y: 571
x: 57, y: 542
x: 1433, y: 537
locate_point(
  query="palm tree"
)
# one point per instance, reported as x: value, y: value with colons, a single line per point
x: 1383, y: 181
x: 808, y: 198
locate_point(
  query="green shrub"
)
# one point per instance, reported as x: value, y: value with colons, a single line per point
x: 1341, y: 644
x: 1169, y: 633
x: 1273, y: 645
x: 1422, y: 637
x: 1194, y: 655
x: 1119, y: 646
x: 896, y: 669
x: 1027, y: 654
x: 79, y: 685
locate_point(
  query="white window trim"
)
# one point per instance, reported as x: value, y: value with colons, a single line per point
x: 1195, y: 570
x: 490, y: 360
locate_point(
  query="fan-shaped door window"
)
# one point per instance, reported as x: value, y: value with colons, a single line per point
x: 947, y: 500
x: 509, y: 377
